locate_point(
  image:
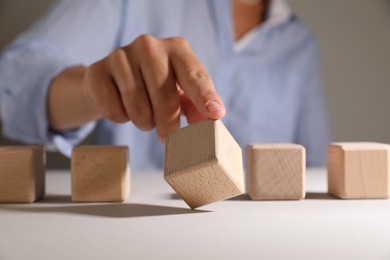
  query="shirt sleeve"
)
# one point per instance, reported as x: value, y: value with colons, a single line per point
x: 72, y: 33
x: 313, y: 127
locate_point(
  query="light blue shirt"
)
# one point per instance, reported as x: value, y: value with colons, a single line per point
x: 269, y: 80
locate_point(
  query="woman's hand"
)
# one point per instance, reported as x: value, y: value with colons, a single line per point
x: 151, y: 82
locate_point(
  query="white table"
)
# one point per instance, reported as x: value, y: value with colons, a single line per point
x: 155, y: 224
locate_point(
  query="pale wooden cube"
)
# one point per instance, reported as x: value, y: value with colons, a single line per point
x: 203, y: 163
x: 359, y: 170
x: 276, y: 171
x: 100, y: 174
x: 22, y: 173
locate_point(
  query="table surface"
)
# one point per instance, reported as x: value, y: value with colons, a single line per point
x: 154, y: 223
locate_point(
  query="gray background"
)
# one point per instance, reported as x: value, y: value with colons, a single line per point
x: 354, y: 40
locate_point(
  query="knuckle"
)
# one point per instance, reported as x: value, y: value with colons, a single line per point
x: 119, y: 62
x: 117, y: 55
x: 197, y: 76
x: 178, y: 41
x: 93, y: 70
x: 148, y: 43
x: 145, y: 38
x: 125, y: 72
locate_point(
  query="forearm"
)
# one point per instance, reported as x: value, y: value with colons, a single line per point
x: 68, y: 105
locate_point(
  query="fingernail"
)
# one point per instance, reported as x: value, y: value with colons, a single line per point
x: 214, y: 106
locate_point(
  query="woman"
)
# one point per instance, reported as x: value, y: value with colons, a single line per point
x: 126, y: 67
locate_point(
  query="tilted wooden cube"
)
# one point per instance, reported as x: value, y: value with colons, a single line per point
x: 276, y: 171
x: 22, y: 173
x: 203, y: 163
x: 100, y: 174
x: 359, y: 170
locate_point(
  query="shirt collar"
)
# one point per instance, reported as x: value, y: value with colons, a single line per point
x: 279, y: 13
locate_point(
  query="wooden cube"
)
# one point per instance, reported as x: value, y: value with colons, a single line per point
x: 203, y: 163
x: 22, y: 173
x: 276, y: 171
x: 359, y: 170
x: 100, y: 174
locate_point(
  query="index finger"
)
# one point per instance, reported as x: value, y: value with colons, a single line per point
x: 195, y: 81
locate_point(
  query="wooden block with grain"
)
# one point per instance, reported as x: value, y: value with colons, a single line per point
x: 359, y: 170
x: 276, y: 171
x: 203, y: 163
x: 22, y: 173
x: 100, y: 174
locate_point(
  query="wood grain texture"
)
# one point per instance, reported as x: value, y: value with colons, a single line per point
x: 100, y: 174
x: 203, y: 163
x: 22, y: 174
x: 359, y: 170
x: 276, y: 171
